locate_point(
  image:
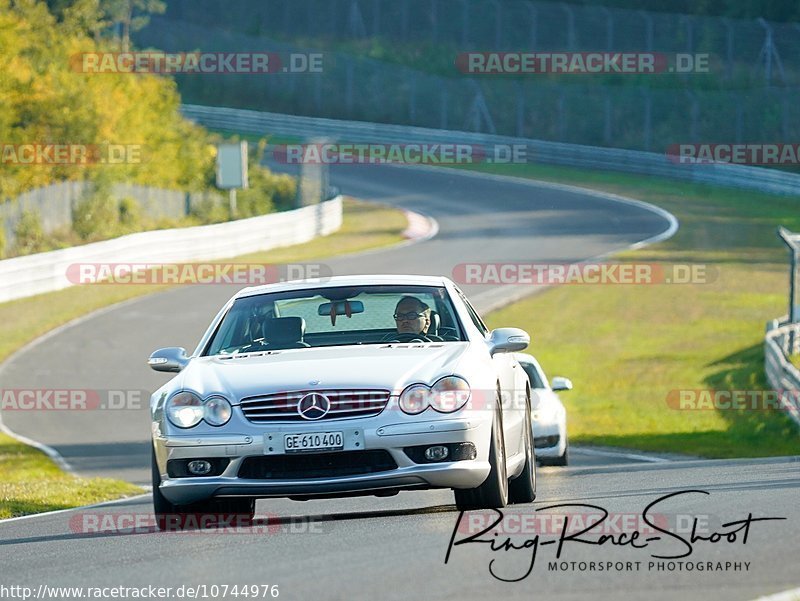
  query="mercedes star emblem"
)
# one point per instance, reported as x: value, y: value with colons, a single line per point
x: 313, y: 406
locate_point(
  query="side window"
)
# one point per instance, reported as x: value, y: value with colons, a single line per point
x: 474, y: 316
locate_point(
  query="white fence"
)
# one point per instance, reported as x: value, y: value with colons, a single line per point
x: 538, y: 151
x: 781, y: 374
x: 26, y: 276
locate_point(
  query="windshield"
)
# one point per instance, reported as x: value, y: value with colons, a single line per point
x: 335, y: 317
x: 533, y: 375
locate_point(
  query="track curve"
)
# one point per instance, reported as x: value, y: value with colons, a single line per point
x: 367, y: 547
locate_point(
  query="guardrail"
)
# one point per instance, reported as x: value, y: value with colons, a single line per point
x: 781, y: 374
x: 538, y: 151
x: 45, y: 272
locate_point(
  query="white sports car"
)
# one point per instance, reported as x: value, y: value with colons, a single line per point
x: 343, y: 386
x: 549, y: 415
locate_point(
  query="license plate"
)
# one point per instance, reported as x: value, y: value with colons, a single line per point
x: 316, y: 441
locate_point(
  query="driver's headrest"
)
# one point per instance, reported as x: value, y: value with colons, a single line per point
x: 435, y: 323
x: 284, y: 329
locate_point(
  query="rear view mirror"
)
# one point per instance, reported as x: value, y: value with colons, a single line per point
x: 559, y: 383
x: 508, y: 340
x: 172, y: 359
x: 343, y: 307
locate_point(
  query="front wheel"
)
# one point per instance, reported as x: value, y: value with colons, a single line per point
x: 522, y: 489
x: 493, y: 493
x: 235, y: 511
x: 162, y: 508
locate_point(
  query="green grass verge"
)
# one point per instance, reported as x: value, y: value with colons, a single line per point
x: 626, y: 346
x: 29, y: 481
x: 32, y: 483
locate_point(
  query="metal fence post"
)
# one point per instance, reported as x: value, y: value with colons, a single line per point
x: 355, y: 21
x: 609, y: 27
x: 689, y: 21
x: 464, y: 23
x: 412, y: 98
x: 534, y: 14
x: 570, y: 24
x: 728, y: 47
x: 769, y: 53
x: 318, y: 94
x: 498, y: 24
x: 694, y: 113
x: 434, y: 21
x: 648, y: 28
x: 792, y: 240
x: 443, y: 105
x: 648, y: 118
x: 785, y: 116
x: 348, y: 87
x: 739, y: 118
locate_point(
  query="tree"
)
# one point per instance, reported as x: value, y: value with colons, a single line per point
x: 84, y: 16
x: 131, y: 15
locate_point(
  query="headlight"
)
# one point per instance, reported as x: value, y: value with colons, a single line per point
x: 415, y: 399
x: 217, y: 411
x: 449, y: 394
x: 546, y: 413
x: 185, y: 410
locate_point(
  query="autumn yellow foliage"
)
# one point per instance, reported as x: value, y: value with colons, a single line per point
x: 46, y: 100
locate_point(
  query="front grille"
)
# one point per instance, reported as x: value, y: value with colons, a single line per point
x: 317, y: 465
x: 282, y: 406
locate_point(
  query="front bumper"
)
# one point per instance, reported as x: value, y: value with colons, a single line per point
x: 359, y: 435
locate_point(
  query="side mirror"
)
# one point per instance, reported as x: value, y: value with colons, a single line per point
x: 508, y: 340
x: 172, y: 358
x: 559, y: 383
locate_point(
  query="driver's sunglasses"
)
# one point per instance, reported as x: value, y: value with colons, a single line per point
x: 408, y: 316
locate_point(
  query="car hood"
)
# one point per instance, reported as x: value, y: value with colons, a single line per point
x: 374, y: 366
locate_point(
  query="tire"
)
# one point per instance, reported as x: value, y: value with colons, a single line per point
x: 493, y: 493
x: 244, y: 508
x: 162, y: 508
x: 563, y: 459
x: 168, y: 513
x: 522, y: 489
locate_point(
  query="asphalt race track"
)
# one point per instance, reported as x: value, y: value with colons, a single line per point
x: 395, y: 548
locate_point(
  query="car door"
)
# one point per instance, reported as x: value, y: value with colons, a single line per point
x: 512, y: 388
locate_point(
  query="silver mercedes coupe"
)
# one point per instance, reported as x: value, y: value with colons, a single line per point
x: 343, y: 386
